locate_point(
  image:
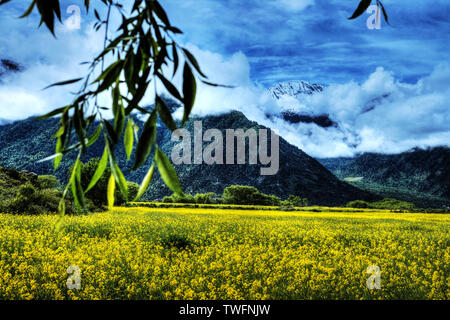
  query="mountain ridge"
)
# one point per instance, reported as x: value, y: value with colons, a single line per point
x: 23, y: 143
x: 422, y: 171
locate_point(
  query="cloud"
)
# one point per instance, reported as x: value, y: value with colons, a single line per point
x: 381, y: 114
x: 294, y: 5
x: 45, y: 60
x: 234, y: 71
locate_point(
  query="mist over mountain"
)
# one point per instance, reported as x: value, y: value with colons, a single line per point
x: 383, y: 114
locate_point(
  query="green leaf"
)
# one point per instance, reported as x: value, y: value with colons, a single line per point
x: 175, y: 59
x: 170, y: 87
x: 129, y: 72
x: 118, y: 176
x: 167, y: 172
x: 111, y: 132
x: 194, y: 62
x: 145, y: 143
x: 57, y: 9
x: 79, y: 124
x: 211, y: 84
x: 55, y: 112
x: 46, y: 10
x: 110, y: 75
x: 118, y: 111
x: 77, y: 189
x: 29, y: 10
x: 383, y: 10
x: 59, y: 156
x: 140, y: 92
x: 145, y: 183
x: 189, y: 91
x: 111, y: 191
x: 95, y: 136
x: 99, y: 171
x: 165, y: 114
x: 363, y: 5
x: 161, y: 14
x: 128, y: 138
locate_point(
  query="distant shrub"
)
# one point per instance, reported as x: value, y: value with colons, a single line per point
x: 392, y: 204
x: 295, y: 201
x: 248, y: 195
x: 48, y: 182
x: 98, y: 194
x: 188, y: 198
x: 26, y: 190
x: 358, y: 204
x: 30, y: 200
x: 133, y: 189
x: 167, y: 199
x: 385, y: 204
x: 199, y: 198
x: 205, y: 198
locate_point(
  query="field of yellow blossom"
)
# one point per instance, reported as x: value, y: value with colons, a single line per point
x: 210, y: 253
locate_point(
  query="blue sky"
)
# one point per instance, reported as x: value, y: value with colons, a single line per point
x: 255, y: 44
x: 316, y: 42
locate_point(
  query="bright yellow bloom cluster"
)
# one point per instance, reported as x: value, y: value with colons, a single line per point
x: 185, y: 253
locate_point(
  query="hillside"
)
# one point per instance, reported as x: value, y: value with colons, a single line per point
x: 23, y: 143
x: 416, y: 173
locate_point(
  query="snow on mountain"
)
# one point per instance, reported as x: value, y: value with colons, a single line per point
x: 294, y: 89
x: 288, y: 96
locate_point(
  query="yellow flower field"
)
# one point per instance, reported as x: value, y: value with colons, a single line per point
x: 205, y: 253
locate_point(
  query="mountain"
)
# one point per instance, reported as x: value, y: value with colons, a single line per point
x: 424, y: 173
x: 294, y: 89
x: 23, y: 143
x: 283, y: 93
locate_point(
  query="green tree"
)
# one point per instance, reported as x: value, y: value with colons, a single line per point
x: 205, y: 198
x: 392, y: 204
x: 48, y: 182
x: 248, y: 195
x: 295, y: 201
x: 98, y: 193
x: 358, y: 204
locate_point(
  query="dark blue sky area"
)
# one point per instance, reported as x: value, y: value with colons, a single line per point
x: 284, y: 40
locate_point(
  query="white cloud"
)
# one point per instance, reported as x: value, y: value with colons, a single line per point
x: 381, y: 114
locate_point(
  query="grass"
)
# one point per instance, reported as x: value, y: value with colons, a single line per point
x: 205, y: 253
